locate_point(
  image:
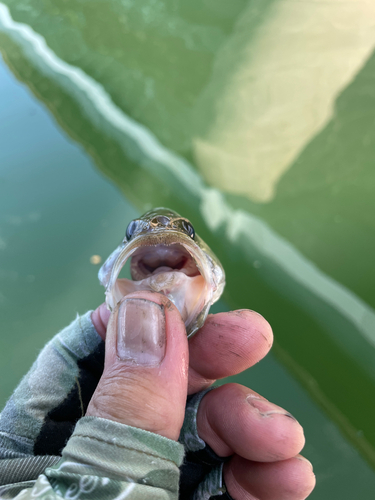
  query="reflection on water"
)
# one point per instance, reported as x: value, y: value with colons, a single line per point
x: 142, y: 121
x: 262, y: 122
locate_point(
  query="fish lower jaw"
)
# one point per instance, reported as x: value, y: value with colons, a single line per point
x: 187, y: 293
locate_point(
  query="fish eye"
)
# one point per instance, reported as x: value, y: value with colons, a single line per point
x: 132, y: 226
x: 188, y: 228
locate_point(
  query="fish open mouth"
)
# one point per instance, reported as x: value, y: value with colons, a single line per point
x: 175, y: 269
x: 148, y: 261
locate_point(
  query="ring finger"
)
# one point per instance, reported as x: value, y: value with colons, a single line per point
x: 291, y: 479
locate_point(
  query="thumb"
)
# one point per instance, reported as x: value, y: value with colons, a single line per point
x: 144, y: 382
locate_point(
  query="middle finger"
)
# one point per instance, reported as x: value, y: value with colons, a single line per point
x: 234, y: 419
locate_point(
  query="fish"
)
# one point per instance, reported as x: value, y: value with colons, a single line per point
x: 166, y: 256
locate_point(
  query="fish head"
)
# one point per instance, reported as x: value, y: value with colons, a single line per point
x: 166, y: 256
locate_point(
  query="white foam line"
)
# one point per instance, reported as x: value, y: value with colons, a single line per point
x: 103, y: 103
x: 240, y: 225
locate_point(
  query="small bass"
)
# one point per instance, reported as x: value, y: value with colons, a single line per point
x: 166, y: 256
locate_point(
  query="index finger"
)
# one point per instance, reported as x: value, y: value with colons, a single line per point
x: 228, y: 343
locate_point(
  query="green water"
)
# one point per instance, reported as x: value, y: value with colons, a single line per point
x: 254, y: 119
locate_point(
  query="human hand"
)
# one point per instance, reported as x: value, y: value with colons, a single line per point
x: 233, y: 420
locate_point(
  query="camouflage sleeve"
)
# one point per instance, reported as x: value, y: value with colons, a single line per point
x: 41, y: 414
x: 105, y: 460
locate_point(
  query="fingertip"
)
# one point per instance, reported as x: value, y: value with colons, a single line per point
x: 304, y: 461
x: 297, y: 476
x: 291, y: 479
x: 248, y: 425
x: 277, y: 434
x: 258, y: 324
x: 306, y: 477
x: 229, y: 343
